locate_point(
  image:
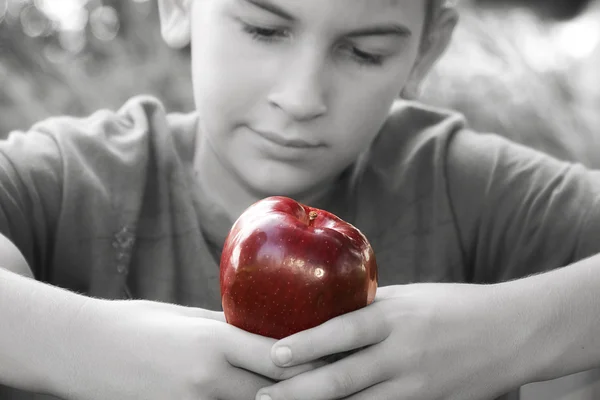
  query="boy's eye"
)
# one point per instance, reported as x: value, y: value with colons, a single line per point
x: 364, y: 57
x: 265, y: 34
x: 368, y: 58
x: 268, y: 34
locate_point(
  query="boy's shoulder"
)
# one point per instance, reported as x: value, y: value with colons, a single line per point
x: 109, y: 151
x: 138, y: 117
x: 414, y: 131
x: 138, y: 128
x: 413, y: 120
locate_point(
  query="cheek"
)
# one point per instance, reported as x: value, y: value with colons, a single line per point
x: 361, y: 109
x: 225, y: 84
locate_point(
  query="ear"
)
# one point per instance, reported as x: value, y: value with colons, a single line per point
x: 433, y: 47
x: 175, y: 22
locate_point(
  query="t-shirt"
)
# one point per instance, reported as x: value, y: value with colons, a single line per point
x: 106, y: 205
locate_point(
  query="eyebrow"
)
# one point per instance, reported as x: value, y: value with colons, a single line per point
x: 391, y: 29
x: 272, y: 8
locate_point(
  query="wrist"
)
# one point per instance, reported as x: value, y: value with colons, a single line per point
x: 516, y: 326
x: 524, y: 327
x: 75, y: 363
x: 551, y: 324
x: 559, y: 315
x: 34, y: 338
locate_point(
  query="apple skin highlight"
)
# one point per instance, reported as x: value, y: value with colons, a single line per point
x: 287, y: 267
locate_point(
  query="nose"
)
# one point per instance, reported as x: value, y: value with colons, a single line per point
x: 301, y: 89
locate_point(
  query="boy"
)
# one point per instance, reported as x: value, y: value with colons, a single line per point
x: 298, y: 99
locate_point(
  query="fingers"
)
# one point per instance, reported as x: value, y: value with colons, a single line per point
x: 381, y: 391
x: 349, y: 331
x: 343, y: 378
x: 252, y: 352
x: 236, y: 384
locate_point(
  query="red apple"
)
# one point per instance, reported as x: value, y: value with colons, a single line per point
x: 287, y: 267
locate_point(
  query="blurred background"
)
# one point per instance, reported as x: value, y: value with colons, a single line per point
x: 525, y: 69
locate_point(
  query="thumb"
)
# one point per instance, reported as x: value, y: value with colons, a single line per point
x: 252, y: 352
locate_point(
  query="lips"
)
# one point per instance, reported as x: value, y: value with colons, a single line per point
x: 293, y: 142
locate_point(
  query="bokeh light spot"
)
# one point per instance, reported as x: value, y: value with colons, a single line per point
x: 14, y: 7
x: 104, y: 23
x: 55, y: 54
x: 34, y: 22
x: 71, y: 15
x: 72, y: 41
x: 579, y: 38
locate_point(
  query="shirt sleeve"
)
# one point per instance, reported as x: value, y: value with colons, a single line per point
x: 30, y: 194
x: 520, y: 211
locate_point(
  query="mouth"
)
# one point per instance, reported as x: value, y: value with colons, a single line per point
x: 291, y: 142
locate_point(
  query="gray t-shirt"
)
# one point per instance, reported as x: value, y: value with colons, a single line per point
x: 106, y: 206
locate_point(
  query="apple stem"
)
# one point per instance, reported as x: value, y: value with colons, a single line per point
x: 311, y: 217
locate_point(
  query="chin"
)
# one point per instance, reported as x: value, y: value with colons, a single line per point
x: 279, y: 181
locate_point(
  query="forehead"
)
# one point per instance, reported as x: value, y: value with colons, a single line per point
x: 347, y: 12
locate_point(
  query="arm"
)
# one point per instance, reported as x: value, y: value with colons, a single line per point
x: 560, y: 312
x: 453, y: 341
x: 520, y: 213
x: 34, y: 318
x: 57, y: 342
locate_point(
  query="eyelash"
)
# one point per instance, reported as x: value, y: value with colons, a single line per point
x: 263, y: 34
x: 270, y: 35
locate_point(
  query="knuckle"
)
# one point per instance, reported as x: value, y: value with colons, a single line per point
x: 305, y: 348
x: 309, y: 352
x: 342, y: 382
x: 353, y: 328
x: 207, y: 362
x: 382, y: 326
x: 366, y: 327
x: 204, y: 381
x: 279, y: 374
x: 287, y: 394
x: 282, y: 374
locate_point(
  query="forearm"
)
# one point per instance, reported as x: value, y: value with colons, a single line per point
x: 557, y: 317
x: 33, y: 331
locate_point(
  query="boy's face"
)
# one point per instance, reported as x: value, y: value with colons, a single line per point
x: 291, y: 92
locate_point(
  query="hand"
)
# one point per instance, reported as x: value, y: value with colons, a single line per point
x: 423, y: 341
x: 146, y: 350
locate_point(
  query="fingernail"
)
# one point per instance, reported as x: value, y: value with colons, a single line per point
x: 283, y: 355
x: 265, y: 397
